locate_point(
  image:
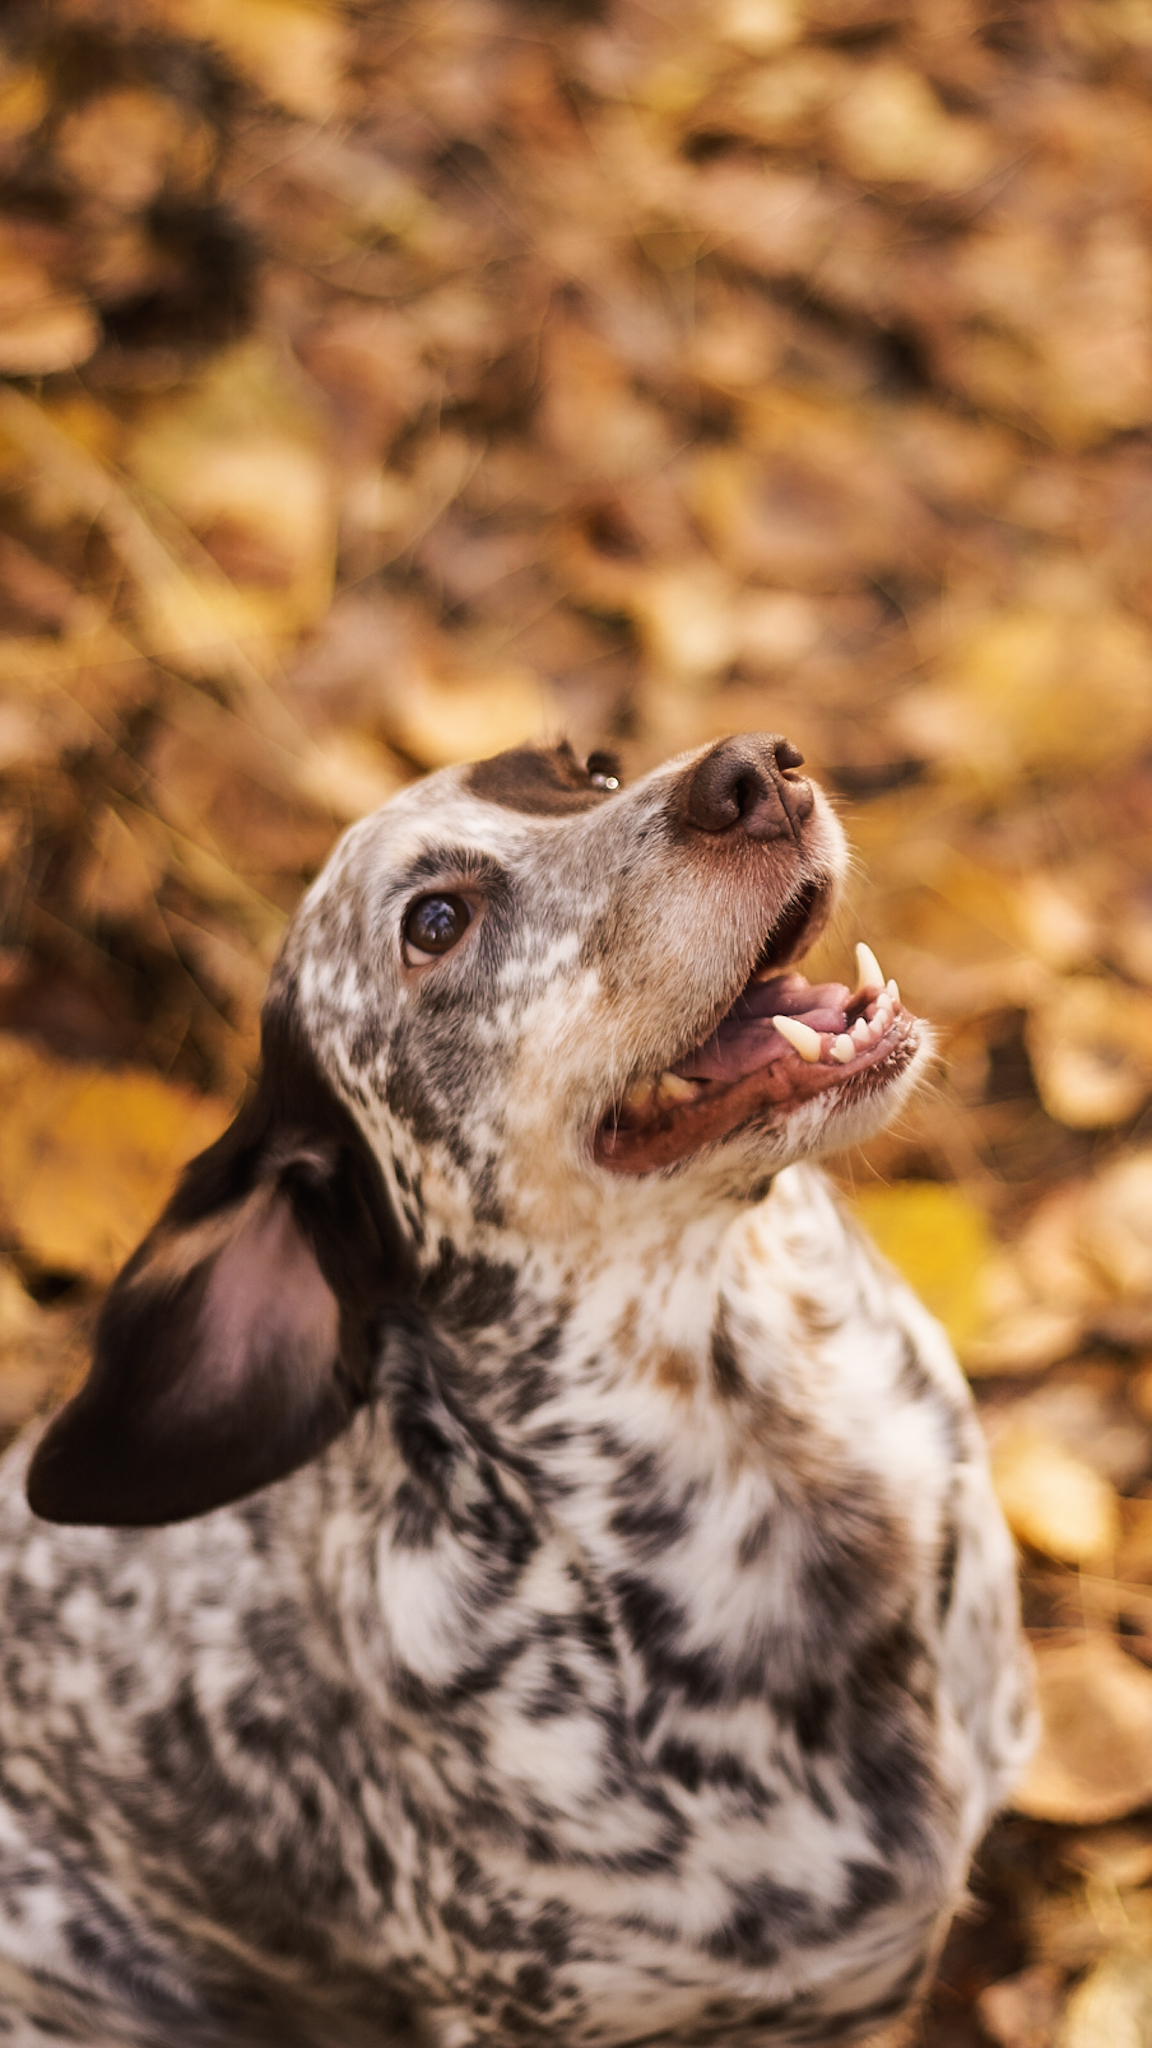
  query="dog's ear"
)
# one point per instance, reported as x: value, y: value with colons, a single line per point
x: 239, y: 1338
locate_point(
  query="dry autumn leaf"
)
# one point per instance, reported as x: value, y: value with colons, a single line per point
x: 1052, y: 1499
x: 293, y: 50
x: 1094, y: 1759
x: 1091, y: 1049
x: 1021, y: 2011
x: 239, y: 460
x: 90, y: 1156
x: 1115, y: 1224
x: 939, y: 1239
x: 437, y: 722
x: 1052, y: 687
x: 43, y: 329
x: 1112, y: 2008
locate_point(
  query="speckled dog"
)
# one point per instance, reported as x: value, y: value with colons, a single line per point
x: 581, y: 1613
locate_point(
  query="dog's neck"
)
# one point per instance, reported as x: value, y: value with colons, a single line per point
x: 716, y: 1386
x: 664, y: 1333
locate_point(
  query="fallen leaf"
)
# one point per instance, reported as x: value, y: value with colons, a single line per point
x: 890, y: 125
x: 1114, y: 1224
x: 437, y: 721
x: 780, y: 101
x: 239, y: 459
x: 125, y: 145
x: 1021, y: 2011
x: 1085, y: 1408
x: 1051, y: 688
x: 293, y: 51
x: 1116, y: 1856
x: 44, y: 327
x: 759, y: 26
x: 1112, y: 2008
x: 90, y: 1156
x: 350, y: 775
x: 1094, y: 1758
x: 938, y: 1238
x: 689, y: 619
x: 1134, y: 1557
x: 1022, y: 1340
x: 1090, y: 1045
x: 1053, y: 1500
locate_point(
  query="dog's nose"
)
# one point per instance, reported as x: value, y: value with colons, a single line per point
x: 746, y: 785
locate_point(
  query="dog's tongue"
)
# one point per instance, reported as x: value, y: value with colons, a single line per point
x: 746, y: 1037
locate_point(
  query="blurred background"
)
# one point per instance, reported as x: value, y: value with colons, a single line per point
x: 381, y: 384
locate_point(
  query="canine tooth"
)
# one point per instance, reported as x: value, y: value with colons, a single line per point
x: 674, y: 1088
x: 868, y: 968
x: 842, y: 1049
x: 801, y: 1036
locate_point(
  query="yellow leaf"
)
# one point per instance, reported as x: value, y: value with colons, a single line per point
x: 1112, y: 2008
x: 777, y: 101
x: 1053, y: 1500
x: 293, y: 51
x: 350, y: 774
x: 127, y: 144
x: 688, y: 615
x: 1054, y: 687
x: 1094, y: 1759
x: 240, y: 460
x: 90, y: 1156
x: 1115, y: 1224
x: 939, y: 1239
x: 437, y: 722
x: 892, y: 126
x: 43, y: 328
x: 1090, y: 1045
x: 760, y: 26
x: 1018, y: 2011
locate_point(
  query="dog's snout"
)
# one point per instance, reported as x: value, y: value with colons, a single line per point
x: 745, y: 785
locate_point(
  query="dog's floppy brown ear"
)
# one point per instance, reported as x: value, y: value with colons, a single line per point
x: 239, y: 1338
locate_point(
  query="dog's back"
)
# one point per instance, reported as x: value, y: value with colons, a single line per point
x: 616, y: 1635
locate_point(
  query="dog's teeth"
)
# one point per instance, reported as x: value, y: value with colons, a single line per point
x: 806, y: 1041
x: 674, y: 1088
x: 842, y: 1049
x: 868, y: 968
x: 639, y: 1096
x: 861, y: 1033
x: 890, y: 989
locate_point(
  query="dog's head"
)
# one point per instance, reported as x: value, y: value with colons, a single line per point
x: 521, y: 1008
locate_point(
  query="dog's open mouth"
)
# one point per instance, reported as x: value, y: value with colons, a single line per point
x: 783, y: 1040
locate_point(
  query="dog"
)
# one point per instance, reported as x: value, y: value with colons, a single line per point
x: 520, y: 1569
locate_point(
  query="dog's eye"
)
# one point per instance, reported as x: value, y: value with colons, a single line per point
x: 603, y: 771
x: 435, y: 923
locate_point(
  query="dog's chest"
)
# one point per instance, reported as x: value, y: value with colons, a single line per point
x: 648, y: 1727
x: 684, y: 1724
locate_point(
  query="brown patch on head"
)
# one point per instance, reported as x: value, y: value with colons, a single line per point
x: 543, y: 782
